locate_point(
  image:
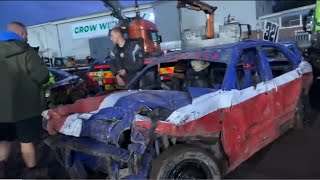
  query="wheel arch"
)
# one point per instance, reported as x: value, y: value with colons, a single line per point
x: 211, y: 144
x: 167, y: 160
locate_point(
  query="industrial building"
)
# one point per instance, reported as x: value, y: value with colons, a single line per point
x: 87, y: 35
x: 289, y: 21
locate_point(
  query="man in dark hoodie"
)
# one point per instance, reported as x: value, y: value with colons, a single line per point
x: 22, y: 74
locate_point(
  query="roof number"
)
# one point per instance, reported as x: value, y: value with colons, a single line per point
x: 270, y: 32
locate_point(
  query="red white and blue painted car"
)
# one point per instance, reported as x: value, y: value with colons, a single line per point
x: 255, y: 92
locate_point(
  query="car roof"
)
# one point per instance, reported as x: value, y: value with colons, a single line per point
x: 60, y: 72
x: 218, y: 53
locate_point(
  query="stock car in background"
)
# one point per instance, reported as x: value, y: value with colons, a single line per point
x: 186, y: 128
x: 60, y: 63
x: 67, y: 88
x: 99, y: 77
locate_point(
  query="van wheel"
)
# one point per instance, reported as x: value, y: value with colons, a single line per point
x: 303, y: 113
x: 185, y: 162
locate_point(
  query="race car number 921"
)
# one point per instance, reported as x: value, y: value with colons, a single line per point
x: 270, y: 32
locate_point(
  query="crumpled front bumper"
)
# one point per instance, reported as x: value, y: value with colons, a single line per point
x: 105, y: 144
x: 106, y: 156
x: 99, y: 132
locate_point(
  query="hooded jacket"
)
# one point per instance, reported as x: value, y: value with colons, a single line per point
x: 22, y: 74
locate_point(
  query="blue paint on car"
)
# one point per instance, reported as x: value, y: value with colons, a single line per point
x: 105, y: 128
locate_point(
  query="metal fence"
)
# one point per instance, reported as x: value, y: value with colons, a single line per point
x: 301, y: 38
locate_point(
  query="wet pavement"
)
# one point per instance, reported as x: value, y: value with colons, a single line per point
x: 294, y: 155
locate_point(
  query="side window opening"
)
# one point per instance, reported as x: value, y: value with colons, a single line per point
x: 279, y: 63
x: 217, y: 74
x: 248, y: 69
x: 149, y: 78
x: 158, y: 77
x: 210, y: 77
x: 181, y: 74
x: 153, y: 35
x: 173, y: 74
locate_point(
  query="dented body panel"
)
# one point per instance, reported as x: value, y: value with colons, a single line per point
x: 243, y: 116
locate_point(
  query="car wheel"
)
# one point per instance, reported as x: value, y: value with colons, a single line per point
x: 185, y: 162
x: 303, y: 113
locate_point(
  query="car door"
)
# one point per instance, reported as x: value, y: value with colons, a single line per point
x: 287, y: 85
x: 249, y: 125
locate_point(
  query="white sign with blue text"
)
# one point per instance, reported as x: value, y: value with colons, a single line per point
x: 101, y: 27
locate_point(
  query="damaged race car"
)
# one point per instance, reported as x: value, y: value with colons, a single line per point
x: 221, y: 106
x: 64, y: 88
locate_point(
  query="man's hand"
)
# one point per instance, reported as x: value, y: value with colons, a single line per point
x: 122, y: 72
x: 120, y: 80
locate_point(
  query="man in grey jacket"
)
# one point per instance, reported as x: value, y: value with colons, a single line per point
x: 22, y: 74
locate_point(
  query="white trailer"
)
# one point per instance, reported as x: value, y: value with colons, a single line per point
x: 79, y: 37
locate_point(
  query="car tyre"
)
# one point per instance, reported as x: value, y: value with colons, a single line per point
x: 185, y: 162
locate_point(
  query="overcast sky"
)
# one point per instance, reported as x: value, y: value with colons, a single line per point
x: 36, y: 12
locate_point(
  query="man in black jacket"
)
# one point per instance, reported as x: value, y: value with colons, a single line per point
x: 126, y: 58
x: 22, y: 74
